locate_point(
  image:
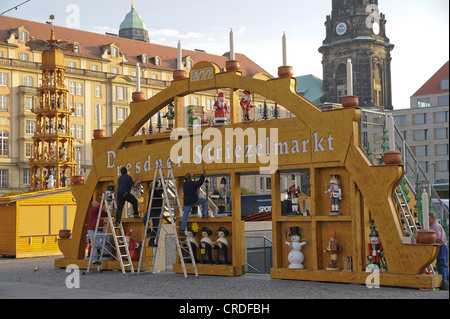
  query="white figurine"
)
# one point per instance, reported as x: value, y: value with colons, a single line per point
x: 50, y: 182
x: 295, y: 257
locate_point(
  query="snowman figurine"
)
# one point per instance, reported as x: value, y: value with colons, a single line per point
x: 295, y: 257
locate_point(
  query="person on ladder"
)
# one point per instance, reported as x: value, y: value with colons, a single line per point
x: 94, y: 210
x: 190, y: 189
x: 124, y: 186
x: 155, y: 212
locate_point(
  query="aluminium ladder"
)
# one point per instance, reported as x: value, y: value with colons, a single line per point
x: 101, y: 233
x: 171, y: 202
x: 408, y: 217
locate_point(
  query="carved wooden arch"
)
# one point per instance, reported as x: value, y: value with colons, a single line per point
x: 375, y: 183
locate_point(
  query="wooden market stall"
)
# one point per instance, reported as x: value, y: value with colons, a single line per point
x: 325, y: 142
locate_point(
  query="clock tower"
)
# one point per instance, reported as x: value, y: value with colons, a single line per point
x: 356, y: 36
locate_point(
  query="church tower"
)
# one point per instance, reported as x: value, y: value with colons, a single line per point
x: 356, y: 37
x: 133, y: 27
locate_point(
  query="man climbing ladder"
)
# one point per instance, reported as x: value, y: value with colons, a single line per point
x: 101, y: 235
x: 164, y: 197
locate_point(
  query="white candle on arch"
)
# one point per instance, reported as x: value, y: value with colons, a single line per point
x: 232, y: 54
x: 138, y: 78
x: 284, y: 50
x: 179, y: 57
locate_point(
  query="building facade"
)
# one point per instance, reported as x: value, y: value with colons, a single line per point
x: 356, y: 31
x: 425, y: 125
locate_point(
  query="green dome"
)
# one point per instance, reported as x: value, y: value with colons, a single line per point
x: 133, y: 21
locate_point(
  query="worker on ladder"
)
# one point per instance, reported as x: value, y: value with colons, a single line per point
x: 93, y: 215
x: 190, y: 189
x: 124, y: 186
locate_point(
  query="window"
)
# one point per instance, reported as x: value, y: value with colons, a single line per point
x: 443, y: 100
x: 154, y: 76
x: 441, y: 149
x: 114, y: 70
x: 441, y: 133
x: 121, y: 92
x: 420, y: 135
x: 442, y: 166
x: 78, y: 109
x: 3, y: 103
x: 73, y: 130
x: 30, y: 127
x: 23, y: 57
x: 194, y: 100
x: 80, y: 131
x: 420, y: 118
x: 76, y: 48
x: 114, y: 52
x: 157, y: 61
x: 94, y: 67
x: 72, y: 64
x: 3, y: 178
x: 98, y: 90
x: 28, y: 103
x: 441, y: 117
x: 27, y: 80
x: 121, y: 113
x: 268, y: 183
x: 444, y: 84
x: 3, y: 79
x: 26, y: 176
x: 79, y: 88
x: 424, y: 102
x: 72, y: 88
x: 23, y: 36
x: 422, y: 150
x: 401, y: 120
x: 4, y: 143
x: 28, y: 150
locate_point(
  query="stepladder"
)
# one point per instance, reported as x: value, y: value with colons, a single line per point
x: 409, y: 222
x: 109, y: 239
x: 164, y: 202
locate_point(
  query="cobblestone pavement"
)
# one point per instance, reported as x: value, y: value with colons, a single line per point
x: 19, y: 278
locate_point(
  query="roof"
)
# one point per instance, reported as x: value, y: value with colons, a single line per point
x: 133, y: 20
x: 311, y: 87
x: 433, y: 85
x: 92, y: 43
x: 65, y: 191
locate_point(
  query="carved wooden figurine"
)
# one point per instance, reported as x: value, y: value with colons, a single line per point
x: 333, y: 249
x: 206, y: 246
x: 221, y: 244
x: 335, y: 192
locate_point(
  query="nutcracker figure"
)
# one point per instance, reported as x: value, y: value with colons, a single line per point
x: 221, y: 110
x: 194, y: 120
x: 376, y: 254
x: 293, y: 193
x: 246, y: 105
x: 170, y: 116
x: 335, y: 192
x: 333, y: 249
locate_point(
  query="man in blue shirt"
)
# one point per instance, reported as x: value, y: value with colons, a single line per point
x: 191, y: 198
x: 124, y: 185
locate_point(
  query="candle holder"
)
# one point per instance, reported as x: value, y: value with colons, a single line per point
x: 99, y: 133
x: 77, y: 180
x: 350, y: 101
x: 285, y: 71
x: 64, y: 233
x: 179, y: 74
x: 232, y: 65
x: 137, y: 96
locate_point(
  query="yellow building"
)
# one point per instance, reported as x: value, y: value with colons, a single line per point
x: 100, y: 75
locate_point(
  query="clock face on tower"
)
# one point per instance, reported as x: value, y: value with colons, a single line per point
x: 341, y: 28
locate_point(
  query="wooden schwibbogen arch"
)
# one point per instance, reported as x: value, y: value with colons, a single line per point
x: 325, y: 142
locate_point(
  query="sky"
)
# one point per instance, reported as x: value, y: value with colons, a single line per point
x: 419, y: 29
